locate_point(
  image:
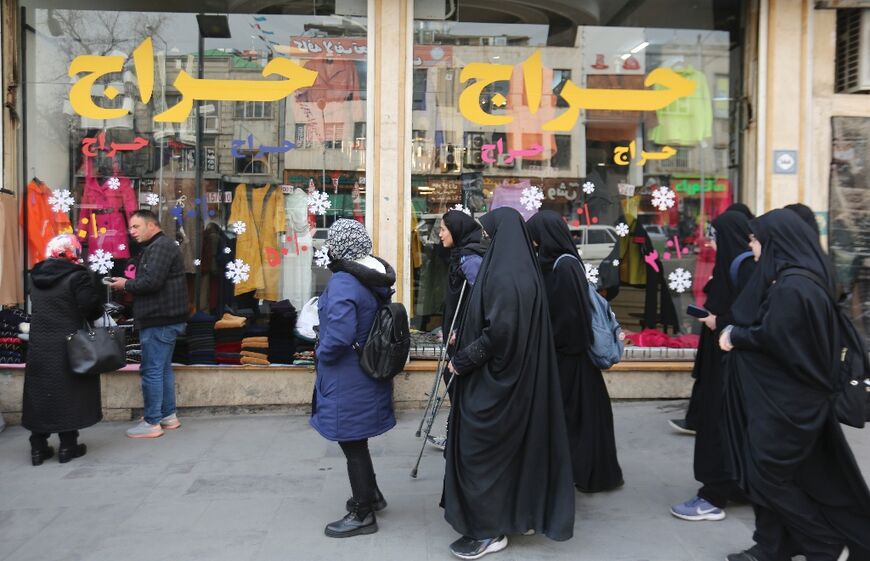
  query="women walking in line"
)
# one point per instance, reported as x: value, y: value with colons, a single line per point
x: 348, y: 406
x: 786, y: 446
x: 730, y: 239
x: 508, y: 465
x: 588, y: 415
x: 63, y: 296
x: 460, y: 233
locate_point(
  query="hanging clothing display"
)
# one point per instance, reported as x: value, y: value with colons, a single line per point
x: 42, y: 222
x: 105, y: 213
x: 261, y: 210
x: 688, y: 120
x: 10, y: 258
x: 632, y: 269
x: 297, y: 250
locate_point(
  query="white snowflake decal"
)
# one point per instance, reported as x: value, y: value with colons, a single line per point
x: 237, y: 271
x: 616, y: 262
x: 197, y: 262
x: 588, y: 187
x: 152, y: 199
x: 318, y: 203
x: 101, y: 261
x: 227, y: 250
x: 61, y: 200
x: 113, y: 183
x: 321, y: 257
x: 238, y: 227
x: 178, y: 243
x: 622, y: 229
x: 680, y: 280
x: 122, y: 247
x: 663, y: 198
x: 591, y: 273
x: 532, y: 197
x: 461, y: 208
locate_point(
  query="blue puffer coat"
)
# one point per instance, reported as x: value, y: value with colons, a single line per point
x: 348, y: 404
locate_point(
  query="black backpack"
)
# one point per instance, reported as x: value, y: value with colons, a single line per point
x: 852, y: 365
x: 386, y: 350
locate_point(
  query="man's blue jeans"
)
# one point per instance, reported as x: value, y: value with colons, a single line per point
x: 158, y: 379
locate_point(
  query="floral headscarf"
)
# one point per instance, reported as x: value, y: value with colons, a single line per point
x: 348, y: 239
x: 64, y: 246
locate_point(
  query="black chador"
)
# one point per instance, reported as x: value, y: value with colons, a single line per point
x: 588, y: 414
x: 508, y: 466
x: 787, y: 450
x: 711, y: 466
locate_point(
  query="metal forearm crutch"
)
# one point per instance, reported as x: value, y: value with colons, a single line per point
x: 435, y: 407
x: 439, y: 371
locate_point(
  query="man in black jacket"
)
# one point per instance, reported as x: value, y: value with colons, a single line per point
x: 160, y: 312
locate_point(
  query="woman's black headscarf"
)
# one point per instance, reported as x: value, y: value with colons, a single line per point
x: 508, y: 464
x: 786, y: 241
x: 742, y: 209
x: 466, y: 232
x: 732, y: 239
x: 548, y: 229
x: 806, y: 214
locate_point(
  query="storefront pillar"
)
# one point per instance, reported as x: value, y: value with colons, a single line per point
x: 388, y: 174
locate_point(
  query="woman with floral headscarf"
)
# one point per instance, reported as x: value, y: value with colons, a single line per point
x: 63, y: 296
x: 348, y: 406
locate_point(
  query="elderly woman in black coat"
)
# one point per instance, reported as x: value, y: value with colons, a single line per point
x: 63, y: 295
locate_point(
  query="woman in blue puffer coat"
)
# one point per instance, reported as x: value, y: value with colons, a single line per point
x: 348, y: 406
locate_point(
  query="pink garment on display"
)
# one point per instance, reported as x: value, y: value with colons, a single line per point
x: 656, y: 338
x: 510, y: 195
x: 101, y: 213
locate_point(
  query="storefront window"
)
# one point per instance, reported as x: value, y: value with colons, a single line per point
x: 623, y: 130
x: 248, y: 191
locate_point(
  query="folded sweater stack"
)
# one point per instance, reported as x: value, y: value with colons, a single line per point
x: 11, y: 344
x: 201, y: 339
x: 228, y: 334
x: 255, y: 351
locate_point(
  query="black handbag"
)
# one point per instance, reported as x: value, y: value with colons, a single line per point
x: 96, y: 350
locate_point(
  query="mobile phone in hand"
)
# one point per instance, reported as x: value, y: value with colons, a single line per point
x: 697, y: 311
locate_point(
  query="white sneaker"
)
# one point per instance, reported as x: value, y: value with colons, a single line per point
x: 145, y: 430
x: 170, y: 422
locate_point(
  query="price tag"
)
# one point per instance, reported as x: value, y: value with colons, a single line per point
x: 228, y: 196
x: 287, y: 189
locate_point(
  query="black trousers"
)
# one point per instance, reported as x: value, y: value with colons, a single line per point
x: 39, y: 440
x: 361, y: 472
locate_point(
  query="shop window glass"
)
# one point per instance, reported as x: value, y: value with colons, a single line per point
x: 637, y: 185
x: 248, y: 190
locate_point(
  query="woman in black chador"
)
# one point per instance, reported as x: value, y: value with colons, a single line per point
x: 730, y: 236
x: 787, y: 449
x: 508, y: 465
x: 588, y: 415
x: 459, y: 233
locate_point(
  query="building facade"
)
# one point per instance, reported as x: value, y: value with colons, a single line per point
x: 638, y: 121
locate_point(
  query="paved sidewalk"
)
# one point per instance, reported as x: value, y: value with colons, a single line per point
x: 262, y: 488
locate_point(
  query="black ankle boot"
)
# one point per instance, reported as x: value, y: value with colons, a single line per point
x: 379, y: 503
x: 65, y: 455
x: 39, y: 456
x: 360, y: 520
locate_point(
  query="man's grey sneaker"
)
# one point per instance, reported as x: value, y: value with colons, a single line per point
x: 145, y: 430
x: 470, y: 548
x: 170, y: 422
x: 681, y: 426
x: 697, y: 509
x: 439, y: 442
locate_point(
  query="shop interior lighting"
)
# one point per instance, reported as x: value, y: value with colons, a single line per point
x: 640, y: 47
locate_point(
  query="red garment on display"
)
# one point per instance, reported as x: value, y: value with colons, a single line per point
x: 104, y: 204
x: 42, y: 222
x: 656, y: 338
